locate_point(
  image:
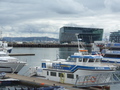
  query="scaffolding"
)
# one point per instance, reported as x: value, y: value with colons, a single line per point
x: 101, y: 79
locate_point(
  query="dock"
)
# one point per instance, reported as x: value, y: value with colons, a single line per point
x: 21, y: 54
x: 33, y: 81
x: 47, y: 45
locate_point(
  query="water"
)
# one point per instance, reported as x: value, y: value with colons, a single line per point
x: 43, y: 53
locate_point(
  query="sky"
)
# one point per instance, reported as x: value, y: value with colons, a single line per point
x: 39, y: 18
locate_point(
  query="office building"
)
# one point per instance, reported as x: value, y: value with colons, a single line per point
x: 88, y: 35
x: 115, y: 36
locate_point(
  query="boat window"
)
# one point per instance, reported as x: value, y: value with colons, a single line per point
x: 53, y: 73
x: 97, y: 60
x: 91, y: 60
x: 77, y: 76
x: 3, y: 55
x: 85, y: 53
x: 84, y: 59
x: 112, y: 56
x: 72, y: 59
x: 43, y: 65
x: 80, y: 59
x: 47, y: 73
x: 3, y: 60
x: 70, y: 76
x: 61, y: 74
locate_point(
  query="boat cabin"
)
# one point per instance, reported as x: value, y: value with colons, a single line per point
x: 86, y: 58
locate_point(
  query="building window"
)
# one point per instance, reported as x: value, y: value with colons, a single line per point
x: 53, y: 73
x: 70, y: 76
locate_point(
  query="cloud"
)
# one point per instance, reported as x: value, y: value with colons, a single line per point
x: 45, y: 17
x: 93, y: 4
x: 112, y: 5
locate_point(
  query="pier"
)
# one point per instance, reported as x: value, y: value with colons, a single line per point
x: 21, y: 54
x: 47, y: 45
x: 89, y: 82
x: 37, y: 82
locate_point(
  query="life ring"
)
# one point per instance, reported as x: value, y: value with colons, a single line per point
x: 93, y: 79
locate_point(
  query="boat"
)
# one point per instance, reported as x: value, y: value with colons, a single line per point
x: 4, y: 47
x: 48, y: 88
x: 10, y: 64
x: 111, y: 54
x: 68, y: 70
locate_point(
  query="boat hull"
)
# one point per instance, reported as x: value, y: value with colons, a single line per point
x: 11, y: 67
x: 67, y: 77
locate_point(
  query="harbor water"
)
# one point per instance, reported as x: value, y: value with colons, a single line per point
x: 43, y: 53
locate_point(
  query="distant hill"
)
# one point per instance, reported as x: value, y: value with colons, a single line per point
x: 25, y: 39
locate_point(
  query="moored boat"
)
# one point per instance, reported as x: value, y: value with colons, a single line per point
x: 112, y: 54
x: 68, y: 70
x: 10, y: 64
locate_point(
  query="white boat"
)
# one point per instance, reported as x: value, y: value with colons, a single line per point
x: 111, y: 55
x: 67, y: 70
x: 10, y: 64
x: 4, y: 47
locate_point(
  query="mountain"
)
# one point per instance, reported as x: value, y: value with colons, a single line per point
x: 28, y: 39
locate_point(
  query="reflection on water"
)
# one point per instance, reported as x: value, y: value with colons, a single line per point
x: 65, y: 52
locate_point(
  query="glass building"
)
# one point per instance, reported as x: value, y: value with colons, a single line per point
x: 115, y: 36
x: 88, y: 35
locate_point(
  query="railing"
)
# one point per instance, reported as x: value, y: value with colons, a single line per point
x: 98, y: 79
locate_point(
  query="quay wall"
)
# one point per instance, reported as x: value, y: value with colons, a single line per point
x: 47, y: 45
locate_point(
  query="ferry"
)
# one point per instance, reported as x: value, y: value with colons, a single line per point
x: 112, y: 55
x: 68, y: 70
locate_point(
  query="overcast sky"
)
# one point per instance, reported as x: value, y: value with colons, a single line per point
x: 24, y: 18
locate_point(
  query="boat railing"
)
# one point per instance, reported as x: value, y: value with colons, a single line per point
x: 98, y: 79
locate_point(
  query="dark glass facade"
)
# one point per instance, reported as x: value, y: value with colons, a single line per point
x: 115, y: 37
x: 88, y: 35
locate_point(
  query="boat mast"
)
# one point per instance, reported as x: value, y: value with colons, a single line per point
x: 78, y: 39
x: 0, y: 35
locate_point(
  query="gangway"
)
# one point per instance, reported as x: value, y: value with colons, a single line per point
x: 101, y: 79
